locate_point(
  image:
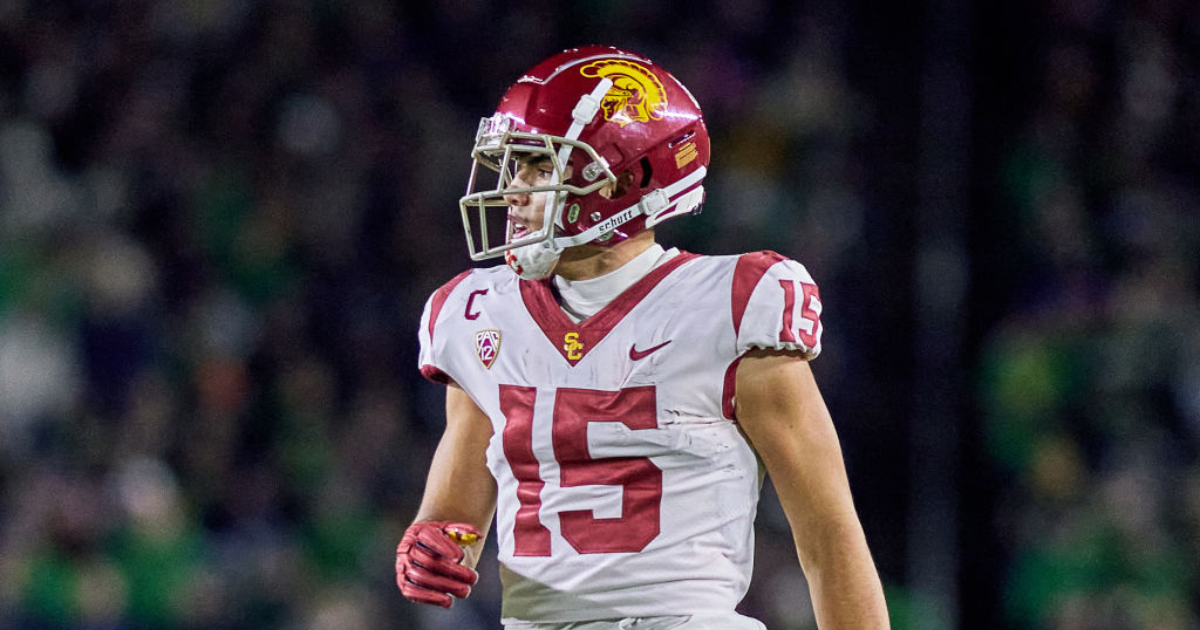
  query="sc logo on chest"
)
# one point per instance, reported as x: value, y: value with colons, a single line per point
x: 573, y: 346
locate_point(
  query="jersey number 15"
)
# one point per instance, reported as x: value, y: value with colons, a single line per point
x: 810, y: 310
x: 639, y: 478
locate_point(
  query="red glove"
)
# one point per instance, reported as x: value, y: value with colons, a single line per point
x: 428, y: 568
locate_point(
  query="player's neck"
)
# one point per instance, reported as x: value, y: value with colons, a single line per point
x: 590, y: 261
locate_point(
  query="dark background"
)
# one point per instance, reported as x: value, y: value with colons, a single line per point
x: 219, y: 222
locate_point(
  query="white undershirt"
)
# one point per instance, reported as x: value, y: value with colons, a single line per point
x: 581, y: 299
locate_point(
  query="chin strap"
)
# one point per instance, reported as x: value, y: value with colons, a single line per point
x: 657, y: 206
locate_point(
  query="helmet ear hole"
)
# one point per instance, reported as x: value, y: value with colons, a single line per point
x: 647, y: 172
x: 625, y: 180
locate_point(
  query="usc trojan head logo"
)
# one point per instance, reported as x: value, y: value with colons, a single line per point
x: 636, y: 94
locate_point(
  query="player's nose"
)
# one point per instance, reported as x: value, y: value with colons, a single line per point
x: 514, y: 194
x: 516, y: 199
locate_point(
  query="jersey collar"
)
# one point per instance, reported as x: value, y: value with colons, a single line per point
x: 574, y: 340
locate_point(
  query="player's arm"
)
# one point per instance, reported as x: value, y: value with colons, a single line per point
x: 782, y: 412
x: 438, y: 553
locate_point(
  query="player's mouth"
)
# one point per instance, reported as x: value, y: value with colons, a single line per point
x: 518, y: 229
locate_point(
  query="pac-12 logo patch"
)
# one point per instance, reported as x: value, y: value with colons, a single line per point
x: 487, y: 346
x: 636, y: 94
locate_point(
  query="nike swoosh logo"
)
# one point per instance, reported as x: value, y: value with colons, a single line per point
x: 638, y: 355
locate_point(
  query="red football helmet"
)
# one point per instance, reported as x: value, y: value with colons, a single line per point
x: 626, y: 139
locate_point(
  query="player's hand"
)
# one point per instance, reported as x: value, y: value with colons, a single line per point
x: 428, y: 562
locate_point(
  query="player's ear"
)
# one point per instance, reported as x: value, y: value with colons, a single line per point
x: 624, y: 183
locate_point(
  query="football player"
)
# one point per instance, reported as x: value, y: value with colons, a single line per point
x: 612, y: 403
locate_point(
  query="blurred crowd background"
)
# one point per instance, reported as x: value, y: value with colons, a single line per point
x: 219, y: 221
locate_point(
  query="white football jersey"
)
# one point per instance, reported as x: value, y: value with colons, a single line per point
x: 625, y: 487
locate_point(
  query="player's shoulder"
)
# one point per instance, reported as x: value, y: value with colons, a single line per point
x: 748, y: 270
x: 744, y: 271
x: 749, y: 261
x: 462, y: 288
x: 476, y: 278
x: 765, y: 284
x: 760, y: 262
